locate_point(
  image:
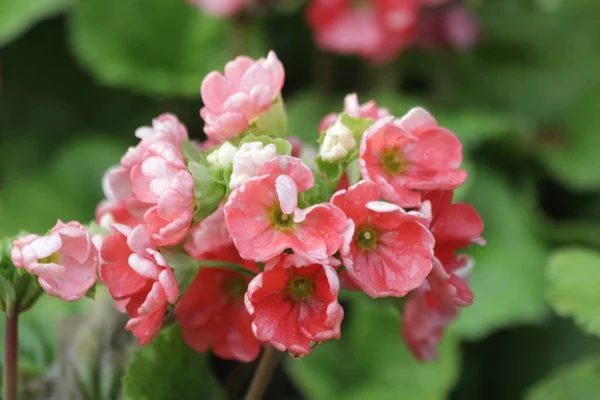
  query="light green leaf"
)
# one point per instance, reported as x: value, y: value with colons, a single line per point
x: 168, y: 369
x: 575, y: 160
x: 372, y: 362
x: 508, y: 278
x: 208, y: 192
x: 156, y: 46
x: 16, y: 16
x: 580, y: 381
x: 573, y: 281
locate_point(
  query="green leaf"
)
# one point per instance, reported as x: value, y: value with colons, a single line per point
x: 580, y: 381
x: 168, y: 369
x: 209, y: 193
x: 156, y: 46
x: 508, y: 278
x: 371, y: 361
x: 573, y: 281
x: 18, y: 15
x: 575, y: 160
x: 191, y: 151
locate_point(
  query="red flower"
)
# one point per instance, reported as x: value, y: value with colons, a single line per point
x: 138, y: 278
x: 389, y: 252
x: 293, y: 303
x: 212, y: 312
x: 454, y: 227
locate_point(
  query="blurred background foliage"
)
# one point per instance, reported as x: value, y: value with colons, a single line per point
x: 77, y: 78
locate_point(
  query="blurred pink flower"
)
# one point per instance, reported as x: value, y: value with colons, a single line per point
x: 424, y: 321
x: 377, y: 30
x: 264, y: 219
x: 387, y: 251
x: 233, y: 100
x: 65, y: 261
x: 220, y: 8
x: 410, y: 155
x: 138, y: 278
x: 453, y: 27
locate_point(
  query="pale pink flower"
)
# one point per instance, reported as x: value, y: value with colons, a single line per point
x: 410, y: 155
x: 454, y: 27
x: 386, y: 251
x: 138, y: 278
x: 163, y: 182
x: 264, y: 219
x: 356, y: 110
x: 65, y: 261
x: 234, y: 100
x: 220, y: 8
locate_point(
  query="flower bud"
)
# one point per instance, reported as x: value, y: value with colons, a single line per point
x: 337, y: 143
x: 18, y: 289
x: 223, y: 156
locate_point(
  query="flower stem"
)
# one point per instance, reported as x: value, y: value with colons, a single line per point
x: 237, y: 39
x: 264, y: 372
x: 11, y: 342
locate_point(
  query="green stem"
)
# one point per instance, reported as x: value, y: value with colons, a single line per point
x: 267, y: 365
x: 224, y: 264
x: 11, y: 342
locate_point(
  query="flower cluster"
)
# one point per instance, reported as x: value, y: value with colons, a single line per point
x: 379, y: 31
x: 246, y: 245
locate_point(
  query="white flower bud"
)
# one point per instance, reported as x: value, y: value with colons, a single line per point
x: 223, y: 156
x: 247, y: 159
x: 337, y: 143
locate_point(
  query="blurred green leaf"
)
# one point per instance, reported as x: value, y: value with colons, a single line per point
x: 156, y: 46
x: 574, y: 278
x: 78, y: 167
x: 580, y: 381
x: 508, y: 278
x: 168, y: 369
x: 305, y: 111
x: 576, y: 160
x: 371, y: 362
x: 16, y: 16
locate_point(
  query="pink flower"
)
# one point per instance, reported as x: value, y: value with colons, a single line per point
x: 220, y: 8
x: 138, y: 278
x: 294, y: 303
x: 212, y: 312
x: 454, y: 227
x: 65, y: 261
x: 208, y: 236
x: 263, y: 217
x: 387, y: 251
x: 234, y: 100
x: 378, y: 30
x: 355, y: 110
x: 162, y: 181
x: 117, y: 182
x: 453, y: 27
x: 411, y: 155
x: 424, y: 321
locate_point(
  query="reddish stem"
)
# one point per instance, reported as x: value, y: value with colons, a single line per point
x: 11, y: 342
